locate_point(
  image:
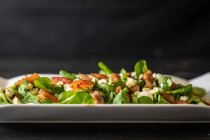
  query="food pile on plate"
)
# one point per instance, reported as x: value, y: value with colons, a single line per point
x: 105, y: 87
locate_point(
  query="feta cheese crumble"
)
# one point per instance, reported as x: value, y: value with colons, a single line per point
x: 130, y: 82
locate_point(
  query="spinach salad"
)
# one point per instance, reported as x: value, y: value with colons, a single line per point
x: 106, y: 87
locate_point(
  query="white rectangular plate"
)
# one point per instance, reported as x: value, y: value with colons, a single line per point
x: 127, y: 113
x: 104, y: 113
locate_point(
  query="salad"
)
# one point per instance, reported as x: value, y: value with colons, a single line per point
x: 105, y: 87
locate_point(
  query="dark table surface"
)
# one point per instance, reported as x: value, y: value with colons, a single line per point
x: 187, y: 68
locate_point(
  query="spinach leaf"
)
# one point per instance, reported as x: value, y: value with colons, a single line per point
x: 4, y: 99
x: 29, y: 98
x: 22, y: 88
x: 124, y: 74
x: 140, y: 67
x: 165, y: 83
x: 104, y: 68
x: 71, y: 97
x: 25, y: 95
x: 109, y: 97
x: 122, y: 97
x: 183, y: 90
x: 65, y: 95
x: 42, y: 83
x: 194, y: 100
x: 56, y: 89
x: 145, y: 100
x: 198, y: 91
x: 108, y: 92
x: 66, y: 74
x: 47, y: 101
x: 134, y: 99
x: 161, y: 100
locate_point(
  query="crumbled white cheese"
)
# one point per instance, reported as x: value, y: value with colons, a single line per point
x: 143, y: 93
x: 141, y: 76
x: 34, y: 91
x: 183, y: 98
x: 130, y: 82
x: 154, y: 90
x: 102, y: 81
x: 29, y: 86
x: 9, y: 92
x: 93, y: 79
x: 133, y: 74
x: 60, y: 83
x: 16, y: 101
x: 67, y: 87
x: 156, y: 75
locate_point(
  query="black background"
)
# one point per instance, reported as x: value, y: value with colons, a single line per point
x: 47, y: 35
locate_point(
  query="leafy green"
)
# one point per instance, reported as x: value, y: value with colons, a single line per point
x: 66, y: 74
x: 70, y: 97
x: 56, y: 89
x: 134, y: 99
x: 122, y: 97
x: 25, y: 95
x: 124, y: 74
x: 47, y: 101
x: 42, y: 83
x: 45, y: 83
x: 107, y: 91
x: 198, y: 91
x: 140, y: 67
x: 194, y: 100
x: 4, y: 99
x: 165, y: 83
x: 183, y: 90
x: 110, y: 97
x: 161, y: 100
x: 104, y: 68
x: 145, y: 100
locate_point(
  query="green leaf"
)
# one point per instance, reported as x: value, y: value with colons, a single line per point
x: 65, y: 95
x: 198, y: 91
x: 66, y: 74
x: 29, y: 98
x: 108, y: 92
x: 183, y: 90
x: 122, y: 97
x: 25, y: 95
x: 47, y: 101
x: 140, y: 67
x: 165, y: 83
x: 134, y: 99
x: 104, y: 68
x: 4, y: 99
x: 124, y: 74
x: 56, y: 89
x: 70, y: 97
x: 110, y: 97
x: 161, y: 100
x: 145, y: 100
x: 42, y: 83
x: 194, y: 100
x: 22, y: 89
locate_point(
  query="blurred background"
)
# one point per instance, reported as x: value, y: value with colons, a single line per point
x: 48, y: 35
